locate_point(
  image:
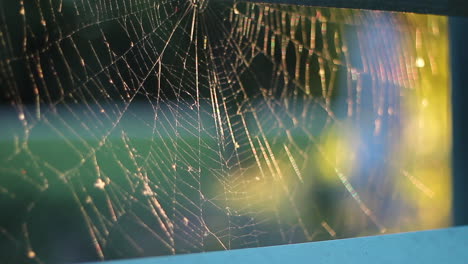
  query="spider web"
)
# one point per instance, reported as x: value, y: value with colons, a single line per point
x: 140, y: 128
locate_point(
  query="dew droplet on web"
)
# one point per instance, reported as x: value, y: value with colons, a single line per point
x: 100, y: 184
x: 420, y: 63
x: 425, y: 102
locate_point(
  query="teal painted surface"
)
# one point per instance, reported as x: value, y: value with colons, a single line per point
x: 435, y: 246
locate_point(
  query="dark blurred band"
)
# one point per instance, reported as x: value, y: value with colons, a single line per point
x: 437, y: 7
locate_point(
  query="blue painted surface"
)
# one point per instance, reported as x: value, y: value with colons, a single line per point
x: 435, y: 246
